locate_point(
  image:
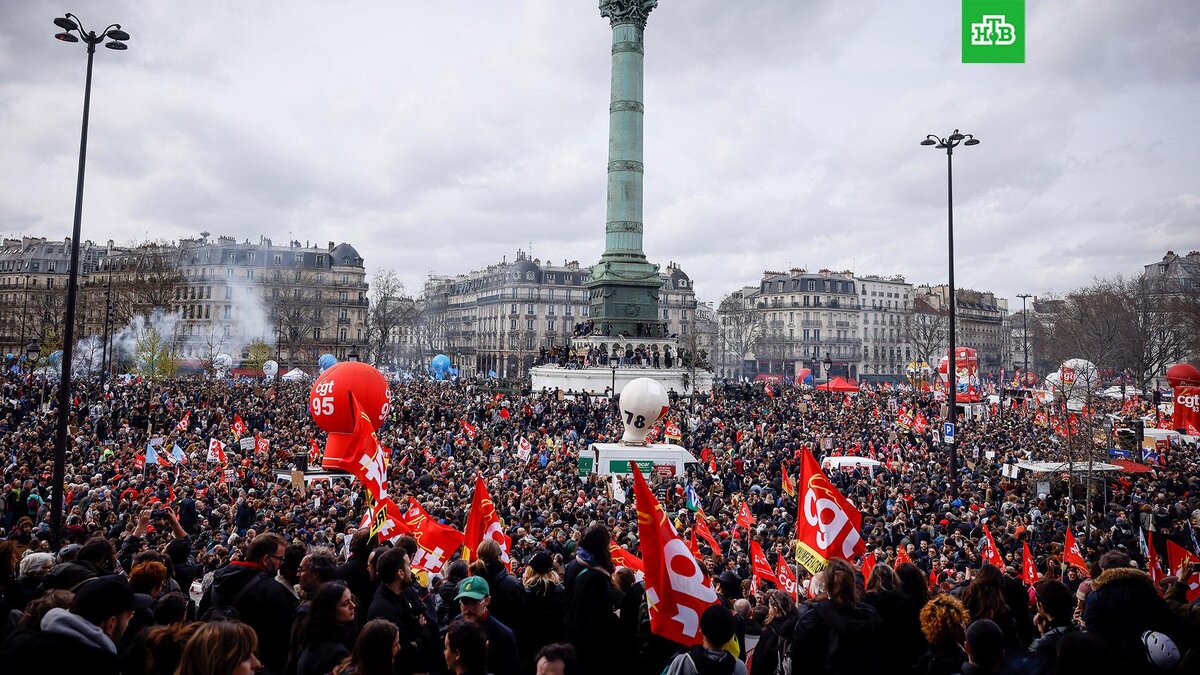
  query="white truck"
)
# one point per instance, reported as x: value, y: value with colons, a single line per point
x: 607, y: 459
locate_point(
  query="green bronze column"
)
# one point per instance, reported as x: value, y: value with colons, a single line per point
x: 624, y: 285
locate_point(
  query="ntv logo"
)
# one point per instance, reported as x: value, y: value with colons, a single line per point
x: 993, y: 31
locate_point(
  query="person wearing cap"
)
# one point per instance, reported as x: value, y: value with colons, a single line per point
x: 710, y: 658
x: 82, y: 639
x: 473, y: 598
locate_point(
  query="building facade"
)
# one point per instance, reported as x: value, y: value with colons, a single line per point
x: 500, y: 318
x: 793, y: 320
x: 886, y: 304
x: 982, y: 324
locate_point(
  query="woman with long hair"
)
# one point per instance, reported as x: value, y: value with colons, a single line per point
x: 590, y: 603
x: 220, y: 648
x: 944, y: 624
x: 326, y: 630
x: 374, y: 651
x: 543, y: 605
x: 984, y: 599
x: 839, y: 634
x: 901, y: 618
x: 777, y: 627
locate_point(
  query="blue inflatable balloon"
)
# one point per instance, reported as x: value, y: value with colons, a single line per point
x: 491, y: 373
x: 55, y: 358
x: 326, y: 361
x: 440, y: 366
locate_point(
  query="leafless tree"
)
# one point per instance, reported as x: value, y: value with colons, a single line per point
x: 741, y: 329
x: 391, y: 313
x: 927, y: 331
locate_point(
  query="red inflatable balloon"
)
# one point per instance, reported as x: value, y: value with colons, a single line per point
x: 1183, y: 374
x: 330, y: 407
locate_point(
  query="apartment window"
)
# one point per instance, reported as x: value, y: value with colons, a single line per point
x: 342, y: 334
x: 343, y: 296
x: 812, y: 285
x: 530, y: 294
x: 342, y: 313
x: 567, y: 311
x: 278, y: 258
x: 529, y: 324
x: 320, y: 261
x: 250, y: 274
x: 550, y: 294
x: 584, y: 310
x: 251, y: 256
x: 316, y: 333
x: 206, y: 312
x: 228, y: 292
x: 529, y: 308
x: 299, y: 258
x: 550, y: 310
x: 512, y: 325
x: 228, y: 272
x: 512, y: 309
x: 806, y: 301
x: 550, y: 324
x: 228, y: 312
x: 208, y: 256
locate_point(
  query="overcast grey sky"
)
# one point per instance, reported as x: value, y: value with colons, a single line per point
x: 441, y: 136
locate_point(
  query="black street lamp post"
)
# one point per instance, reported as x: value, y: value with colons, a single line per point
x: 70, y: 24
x: 353, y: 355
x: 828, y: 364
x: 1025, y: 331
x: 948, y: 144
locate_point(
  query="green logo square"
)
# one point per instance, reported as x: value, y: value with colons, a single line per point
x: 993, y: 31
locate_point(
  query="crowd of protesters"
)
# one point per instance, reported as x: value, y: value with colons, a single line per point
x: 173, y: 568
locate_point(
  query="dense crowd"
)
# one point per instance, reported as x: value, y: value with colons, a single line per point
x: 173, y: 567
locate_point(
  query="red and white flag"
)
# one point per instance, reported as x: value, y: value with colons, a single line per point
x: 902, y: 555
x: 827, y: 524
x: 673, y: 431
x: 991, y: 554
x: 216, y: 451
x: 867, y: 564
x: 1153, y: 566
x: 677, y: 591
x: 435, y: 542
x: 468, y: 428
x: 701, y: 528
x: 744, y: 517
x: 623, y: 558
x: 385, y: 519
x: 760, y: 567
x: 184, y: 422
x: 484, y: 523
x: 1029, y: 570
x: 261, y: 444
x: 1187, y: 409
x: 524, y: 449
x: 1072, y: 556
x: 787, y: 578
x: 314, y: 451
x: 239, y: 427
x: 1176, y: 556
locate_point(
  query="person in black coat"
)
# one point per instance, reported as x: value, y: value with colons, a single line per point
x: 395, y: 602
x: 356, y: 574
x: 508, y: 595
x: 80, y: 640
x: 249, y: 587
x: 778, y: 629
x: 837, y: 633
x: 901, y: 638
x: 543, y: 608
x: 1123, y: 605
x: 591, y: 623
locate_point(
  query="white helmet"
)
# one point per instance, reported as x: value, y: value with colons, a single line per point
x: 1160, y: 649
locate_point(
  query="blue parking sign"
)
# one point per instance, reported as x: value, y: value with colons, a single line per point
x: 948, y: 432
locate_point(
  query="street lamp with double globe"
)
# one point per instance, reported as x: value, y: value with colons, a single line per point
x: 948, y: 144
x: 73, y: 31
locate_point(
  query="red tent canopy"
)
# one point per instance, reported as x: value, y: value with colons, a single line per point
x: 839, y: 384
x: 1132, y: 467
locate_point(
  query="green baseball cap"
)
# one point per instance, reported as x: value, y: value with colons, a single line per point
x: 475, y: 588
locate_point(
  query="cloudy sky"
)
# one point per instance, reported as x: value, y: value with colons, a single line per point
x: 440, y: 136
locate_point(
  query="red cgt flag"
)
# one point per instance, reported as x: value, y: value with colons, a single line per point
x: 623, y: 558
x: 787, y: 578
x: 744, y: 517
x: 468, y: 428
x: 1176, y: 556
x: 677, y: 591
x: 239, y: 427
x: 992, y: 554
x: 484, y: 523
x: 1029, y: 570
x: 902, y: 555
x: 701, y: 528
x: 1152, y: 564
x: 365, y: 457
x: 789, y: 485
x: 827, y: 524
x: 1072, y: 556
x: 760, y: 567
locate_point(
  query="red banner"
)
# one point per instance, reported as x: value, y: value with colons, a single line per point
x: 1072, y: 556
x: 623, y: 558
x: 1029, y: 570
x: 435, y: 542
x: 760, y: 566
x: 484, y: 523
x: 787, y: 578
x: 1187, y: 410
x: 827, y: 525
x: 992, y: 554
x: 677, y: 591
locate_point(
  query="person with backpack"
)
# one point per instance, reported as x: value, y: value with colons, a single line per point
x: 773, y: 654
x: 717, y: 629
x: 249, y: 588
x: 838, y: 633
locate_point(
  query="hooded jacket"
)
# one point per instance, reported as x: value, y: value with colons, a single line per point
x: 67, y: 643
x: 1124, y: 604
x: 701, y: 661
x: 265, y: 606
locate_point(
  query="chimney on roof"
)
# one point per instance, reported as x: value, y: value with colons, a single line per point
x: 331, y: 246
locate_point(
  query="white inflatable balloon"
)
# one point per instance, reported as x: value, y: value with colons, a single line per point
x: 270, y: 368
x: 1079, y: 379
x: 222, y: 362
x: 643, y: 402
